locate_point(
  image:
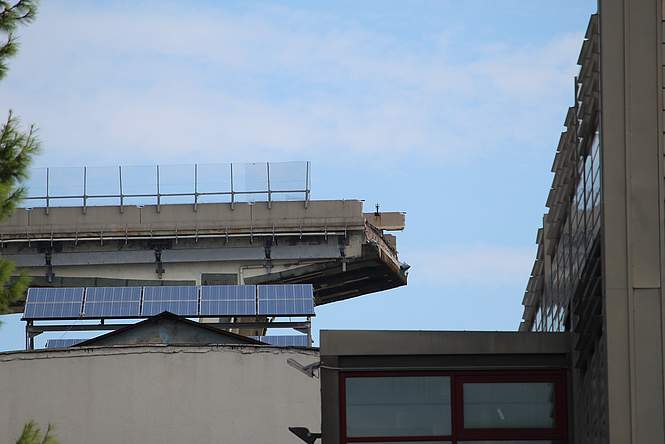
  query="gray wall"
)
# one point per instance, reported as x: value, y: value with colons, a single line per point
x: 168, y: 331
x: 221, y: 394
x: 633, y: 241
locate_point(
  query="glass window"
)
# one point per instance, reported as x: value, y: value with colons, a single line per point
x: 595, y: 142
x: 398, y: 406
x: 588, y: 175
x: 579, y: 192
x: 509, y: 405
x: 502, y: 407
x: 596, y: 182
x: 548, y: 318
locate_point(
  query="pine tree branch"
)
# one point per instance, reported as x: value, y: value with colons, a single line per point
x: 17, y: 148
x: 21, y: 12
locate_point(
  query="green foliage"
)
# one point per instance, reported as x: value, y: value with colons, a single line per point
x: 17, y: 147
x: 16, y: 151
x: 11, y: 15
x: 33, y: 435
x: 14, y: 288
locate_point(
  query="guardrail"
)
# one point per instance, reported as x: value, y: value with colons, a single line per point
x: 162, y: 184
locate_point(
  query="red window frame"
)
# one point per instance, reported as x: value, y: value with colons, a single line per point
x: 457, y: 380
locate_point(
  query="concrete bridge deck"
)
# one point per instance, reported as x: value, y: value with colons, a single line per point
x: 330, y: 243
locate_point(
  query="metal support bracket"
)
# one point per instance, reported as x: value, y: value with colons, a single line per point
x: 50, y: 275
x: 308, y: 369
x: 158, y: 262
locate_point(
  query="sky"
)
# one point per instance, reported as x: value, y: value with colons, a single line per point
x: 449, y: 111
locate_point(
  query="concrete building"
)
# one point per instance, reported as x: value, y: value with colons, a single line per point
x: 460, y: 387
x: 159, y: 393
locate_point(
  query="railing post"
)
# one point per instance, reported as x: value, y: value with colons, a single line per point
x: 232, y: 195
x: 269, y: 192
x: 158, y: 196
x: 196, y: 186
x: 85, y: 189
x: 307, y: 185
x: 47, y: 184
x: 122, y: 199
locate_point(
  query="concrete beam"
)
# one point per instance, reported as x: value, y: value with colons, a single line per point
x: 393, y: 342
x: 319, y: 216
x: 389, y: 221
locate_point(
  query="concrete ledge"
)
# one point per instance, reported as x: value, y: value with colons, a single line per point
x: 386, y: 342
x: 319, y: 215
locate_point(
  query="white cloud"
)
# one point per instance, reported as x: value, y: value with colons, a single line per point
x: 170, y: 85
x: 471, y: 266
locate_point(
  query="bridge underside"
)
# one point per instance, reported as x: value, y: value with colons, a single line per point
x: 335, y: 282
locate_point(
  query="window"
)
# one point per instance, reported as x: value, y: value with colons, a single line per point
x: 501, y: 405
x: 398, y: 406
x: 453, y: 407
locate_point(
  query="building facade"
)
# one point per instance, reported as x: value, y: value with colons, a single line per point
x: 599, y: 270
x: 445, y: 387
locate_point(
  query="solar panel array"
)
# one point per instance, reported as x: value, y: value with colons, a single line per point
x: 62, y: 343
x: 286, y: 300
x: 188, y: 301
x: 276, y: 340
x: 285, y: 340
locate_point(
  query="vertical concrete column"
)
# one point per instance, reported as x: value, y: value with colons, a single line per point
x: 632, y: 155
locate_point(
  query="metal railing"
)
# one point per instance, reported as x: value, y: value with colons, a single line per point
x: 159, y: 184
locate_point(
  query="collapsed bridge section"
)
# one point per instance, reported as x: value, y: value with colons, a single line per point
x: 331, y: 244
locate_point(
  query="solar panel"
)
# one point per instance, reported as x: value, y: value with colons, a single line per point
x: 285, y: 340
x: 112, y: 302
x: 53, y: 303
x: 182, y: 301
x: 228, y: 300
x: 62, y: 343
x: 286, y: 300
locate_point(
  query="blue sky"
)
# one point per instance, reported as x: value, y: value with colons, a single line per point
x: 447, y: 110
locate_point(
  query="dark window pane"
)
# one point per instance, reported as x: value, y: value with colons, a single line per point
x: 509, y: 405
x: 398, y: 406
